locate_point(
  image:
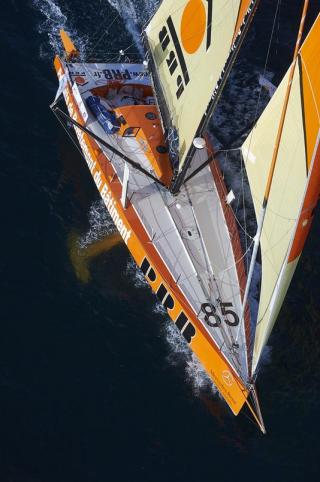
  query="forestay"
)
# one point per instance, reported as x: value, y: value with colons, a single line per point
x: 296, y: 183
x: 190, y: 42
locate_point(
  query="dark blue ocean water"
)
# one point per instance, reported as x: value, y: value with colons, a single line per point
x: 95, y: 385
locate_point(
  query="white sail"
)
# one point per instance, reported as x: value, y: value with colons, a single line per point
x: 296, y: 182
x: 190, y: 42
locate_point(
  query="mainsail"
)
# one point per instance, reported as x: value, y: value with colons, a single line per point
x: 190, y: 43
x: 296, y: 182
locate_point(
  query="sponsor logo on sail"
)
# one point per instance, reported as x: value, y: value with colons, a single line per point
x: 196, y: 20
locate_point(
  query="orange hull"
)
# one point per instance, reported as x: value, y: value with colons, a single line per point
x: 148, y: 259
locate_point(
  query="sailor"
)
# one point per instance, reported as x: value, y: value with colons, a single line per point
x: 104, y: 113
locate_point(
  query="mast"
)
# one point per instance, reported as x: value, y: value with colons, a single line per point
x: 178, y: 181
x: 273, y: 161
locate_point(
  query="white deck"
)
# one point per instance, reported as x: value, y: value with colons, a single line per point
x: 190, y: 233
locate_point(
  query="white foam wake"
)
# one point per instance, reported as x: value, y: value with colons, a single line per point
x: 196, y: 375
x: 100, y: 223
x: 54, y: 20
x: 135, y: 274
x: 180, y: 352
x: 135, y: 14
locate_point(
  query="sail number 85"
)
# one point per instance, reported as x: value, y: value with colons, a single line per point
x: 213, y: 319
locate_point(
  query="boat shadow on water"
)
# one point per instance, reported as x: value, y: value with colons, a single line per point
x: 81, y: 257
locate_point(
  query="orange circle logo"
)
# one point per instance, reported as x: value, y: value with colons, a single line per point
x: 80, y: 80
x: 193, y: 26
x: 227, y: 378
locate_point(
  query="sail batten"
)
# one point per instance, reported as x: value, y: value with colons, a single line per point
x: 192, y: 44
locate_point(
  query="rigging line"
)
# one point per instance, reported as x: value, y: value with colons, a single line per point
x: 232, y: 234
x: 286, y: 218
x: 199, y: 60
x: 215, y: 188
x: 73, y: 140
x: 207, y: 162
x: 222, y: 186
x: 157, y: 25
x: 68, y: 133
x: 101, y: 37
x: 117, y: 55
x: 113, y: 53
x: 108, y: 146
x: 251, y: 418
x: 134, y: 44
x: 181, y: 230
x: 275, y: 153
x: 264, y: 72
x: 225, y: 330
x: 257, y: 107
x: 203, y: 191
x: 192, y: 275
x: 311, y: 88
x: 144, y: 25
x: 192, y: 261
x: 227, y: 336
x: 240, y: 225
x: 257, y: 412
x: 279, y: 273
x: 255, y: 120
x: 265, y: 253
x: 89, y: 73
x: 235, y: 215
x: 237, y: 261
x: 244, y: 213
x: 232, y: 56
x: 122, y: 144
x: 208, y: 267
x: 237, y: 219
x: 253, y: 124
x: 232, y: 252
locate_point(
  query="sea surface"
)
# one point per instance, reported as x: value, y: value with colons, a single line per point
x: 95, y: 383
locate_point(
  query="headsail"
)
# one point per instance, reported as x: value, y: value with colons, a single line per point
x: 190, y: 42
x: 296, y: 183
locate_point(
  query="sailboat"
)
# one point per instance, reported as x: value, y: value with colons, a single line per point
x: 141, y: 128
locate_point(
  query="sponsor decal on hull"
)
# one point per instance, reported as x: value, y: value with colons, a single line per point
x: 96, y: 172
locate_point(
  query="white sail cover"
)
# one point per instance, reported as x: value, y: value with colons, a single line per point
x: 296, y: 182
x: 190, y: 42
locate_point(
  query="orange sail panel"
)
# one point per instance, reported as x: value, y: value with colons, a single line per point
x: 309, y: 63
